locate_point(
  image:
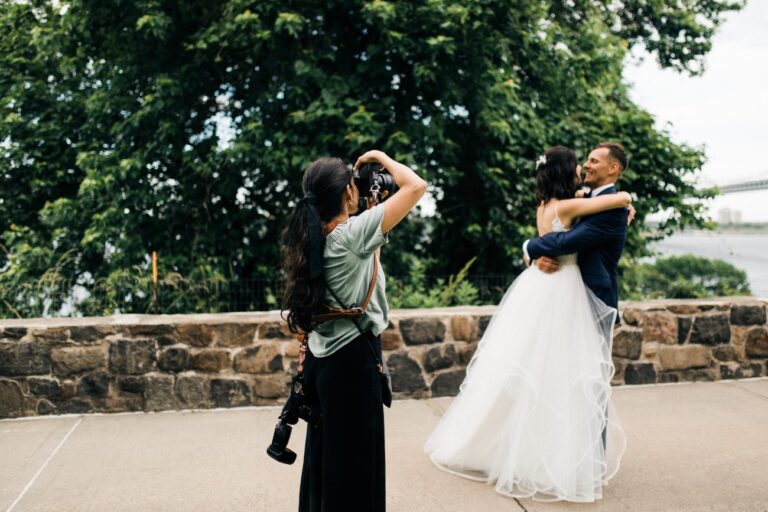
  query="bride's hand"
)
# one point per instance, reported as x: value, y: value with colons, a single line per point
x: 631, y: 214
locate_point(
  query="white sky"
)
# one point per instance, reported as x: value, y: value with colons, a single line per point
x: 725, y: 110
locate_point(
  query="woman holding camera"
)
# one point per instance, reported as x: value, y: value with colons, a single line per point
x: 328, y: 254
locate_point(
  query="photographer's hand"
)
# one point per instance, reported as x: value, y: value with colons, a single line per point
x: 373, y: 201
x: 412, y: 187
x: 373, y: 156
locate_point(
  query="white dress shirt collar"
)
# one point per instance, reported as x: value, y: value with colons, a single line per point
x: 598, y: 190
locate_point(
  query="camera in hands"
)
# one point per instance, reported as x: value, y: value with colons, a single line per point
x: 372, y: 180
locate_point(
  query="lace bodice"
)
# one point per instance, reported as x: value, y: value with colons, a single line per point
x: 557, y: 225
x: 566, y: 259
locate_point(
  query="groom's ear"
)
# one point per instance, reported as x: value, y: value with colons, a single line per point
x: 615, y: 168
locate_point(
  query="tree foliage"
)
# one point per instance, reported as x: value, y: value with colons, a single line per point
x: 415, y: 290
x: 183, y: 127
x: 683, y: 277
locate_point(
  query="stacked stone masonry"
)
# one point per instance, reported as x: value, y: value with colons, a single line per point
x: 153, y: 363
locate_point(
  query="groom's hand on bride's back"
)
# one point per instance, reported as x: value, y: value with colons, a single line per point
x: 548, y: 265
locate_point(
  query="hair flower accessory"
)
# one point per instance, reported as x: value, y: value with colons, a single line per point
x: 541, y: 161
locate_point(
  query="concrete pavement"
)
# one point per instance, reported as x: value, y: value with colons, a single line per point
x: 691, y: 447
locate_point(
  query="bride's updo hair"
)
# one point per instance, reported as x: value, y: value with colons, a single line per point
x: 556, y: 174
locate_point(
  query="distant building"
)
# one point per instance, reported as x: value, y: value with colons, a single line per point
x: 727, y: 216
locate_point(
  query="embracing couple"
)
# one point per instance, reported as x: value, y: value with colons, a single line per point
x: 534, y: 414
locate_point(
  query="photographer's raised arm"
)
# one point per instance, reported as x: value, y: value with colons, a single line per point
x: 412, y: 188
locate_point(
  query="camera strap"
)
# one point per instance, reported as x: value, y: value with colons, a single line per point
x: 336, y: 313
x: 353, y: 314
x: 381, y: 366
x: 363, y: 307
x: 352, y: 311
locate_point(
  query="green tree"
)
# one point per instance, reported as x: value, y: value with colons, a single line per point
x: 683, y: 277
x: 183, y: 127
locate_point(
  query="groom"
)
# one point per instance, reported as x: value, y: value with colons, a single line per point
x: 599, y: 239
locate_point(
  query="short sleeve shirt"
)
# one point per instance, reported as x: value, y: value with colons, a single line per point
x: 349, y: 253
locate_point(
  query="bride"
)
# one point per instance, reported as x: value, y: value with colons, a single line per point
x: 534, y: 415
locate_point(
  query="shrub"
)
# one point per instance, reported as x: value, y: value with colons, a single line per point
x: 682, y: 277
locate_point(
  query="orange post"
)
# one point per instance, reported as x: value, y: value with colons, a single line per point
x: 154, y: 267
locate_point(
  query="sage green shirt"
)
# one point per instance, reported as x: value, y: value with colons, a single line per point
x: 349, y: 253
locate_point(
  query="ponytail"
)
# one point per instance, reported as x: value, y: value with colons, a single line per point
x: 303, y: 241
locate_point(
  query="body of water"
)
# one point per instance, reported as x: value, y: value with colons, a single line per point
x: 749, y: 252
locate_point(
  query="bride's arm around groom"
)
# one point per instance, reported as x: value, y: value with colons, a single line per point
x: 592, y: 230
x: 598, y: 238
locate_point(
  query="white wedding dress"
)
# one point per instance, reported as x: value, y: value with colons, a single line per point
x: 531, y: 413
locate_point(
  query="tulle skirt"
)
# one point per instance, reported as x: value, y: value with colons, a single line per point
x: 534, y: 413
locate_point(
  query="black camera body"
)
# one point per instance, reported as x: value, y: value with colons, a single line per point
x: 295, y: 408
x: 279, y: 450
x: 373, y: 179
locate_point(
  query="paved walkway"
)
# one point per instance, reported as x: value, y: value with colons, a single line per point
x: 692, y: 447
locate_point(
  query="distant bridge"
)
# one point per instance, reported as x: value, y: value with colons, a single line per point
x: 744, y: 186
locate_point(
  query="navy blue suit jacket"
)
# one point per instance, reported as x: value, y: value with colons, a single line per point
x: 599, y: 239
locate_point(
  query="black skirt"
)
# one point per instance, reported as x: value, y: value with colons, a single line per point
x: 344, y: 456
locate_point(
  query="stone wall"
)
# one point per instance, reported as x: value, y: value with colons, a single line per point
x: 151, y: 363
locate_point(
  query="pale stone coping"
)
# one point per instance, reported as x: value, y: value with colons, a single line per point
x: 217, y: 318
x: 272, y: 316
x: 663, y: 303
x: 133, y: 319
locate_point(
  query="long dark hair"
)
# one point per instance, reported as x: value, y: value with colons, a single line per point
x: 557, y: 177
x: 303, y: 240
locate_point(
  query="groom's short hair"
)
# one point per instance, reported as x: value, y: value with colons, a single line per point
x: 617, y: 152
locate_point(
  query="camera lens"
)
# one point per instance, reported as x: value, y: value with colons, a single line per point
x: 372, y: 179
x: 387, y: 182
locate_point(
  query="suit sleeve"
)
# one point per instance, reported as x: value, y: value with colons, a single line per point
x: 589, y: 232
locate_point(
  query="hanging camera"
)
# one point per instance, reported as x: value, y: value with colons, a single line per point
x: 373, y: 180
x: 295, y: 408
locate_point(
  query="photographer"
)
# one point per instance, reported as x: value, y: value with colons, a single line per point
x: 330, y: 255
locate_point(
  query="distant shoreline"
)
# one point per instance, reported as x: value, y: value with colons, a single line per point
x: 721, y: 232
x: 735, y: 229
x: 745, y: 249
